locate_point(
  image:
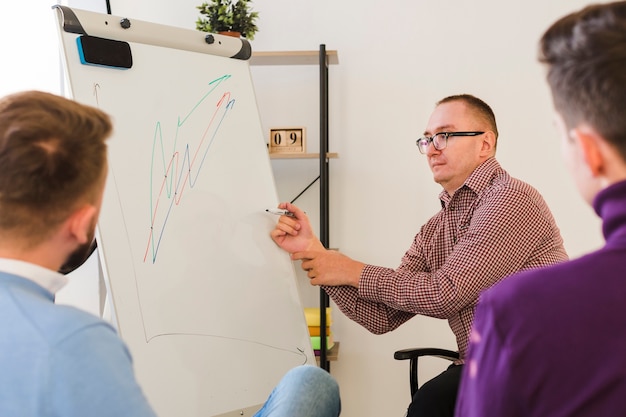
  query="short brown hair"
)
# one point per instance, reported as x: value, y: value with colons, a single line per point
x: 481, y: 108
x: 52, y: 157
x: 585, y: 55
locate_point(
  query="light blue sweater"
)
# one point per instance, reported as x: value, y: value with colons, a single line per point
x: 60, y: 361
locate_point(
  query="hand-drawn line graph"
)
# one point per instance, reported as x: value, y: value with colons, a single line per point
x: 195, y: 284
x: 179, y: 169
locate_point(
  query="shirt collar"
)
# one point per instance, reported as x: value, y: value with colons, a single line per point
x: 477, y: 181
x: 44, y: 277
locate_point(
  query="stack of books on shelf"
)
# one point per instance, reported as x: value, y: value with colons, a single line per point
x: 315, y: 331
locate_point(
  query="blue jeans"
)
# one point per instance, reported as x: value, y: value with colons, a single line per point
x: 304, y: 391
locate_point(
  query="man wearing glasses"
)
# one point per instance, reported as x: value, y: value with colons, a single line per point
x: 490, y: 225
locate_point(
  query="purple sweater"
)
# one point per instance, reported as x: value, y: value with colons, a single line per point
x: 552, y: 341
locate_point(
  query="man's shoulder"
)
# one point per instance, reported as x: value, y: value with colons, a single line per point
x: 67, y: 323
x: 504, y: 186
x: 502, y: 178
x: 56, y: 322
x: 490, y: 178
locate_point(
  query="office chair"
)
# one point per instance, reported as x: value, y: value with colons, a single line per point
x: 414, y: 354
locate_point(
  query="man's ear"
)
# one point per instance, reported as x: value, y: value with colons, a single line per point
x: 590, y: 148
x: 488, y: 143
x: 80, y: 223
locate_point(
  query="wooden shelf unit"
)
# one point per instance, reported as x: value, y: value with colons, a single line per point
x: 323, y: 59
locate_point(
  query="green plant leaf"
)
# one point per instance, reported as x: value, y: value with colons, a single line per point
x: 227, y: 15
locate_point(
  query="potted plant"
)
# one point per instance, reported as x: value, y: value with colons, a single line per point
x: 221, y: 16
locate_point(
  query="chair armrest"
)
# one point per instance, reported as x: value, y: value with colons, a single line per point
x: 417, y: 352
x: 414, y: 354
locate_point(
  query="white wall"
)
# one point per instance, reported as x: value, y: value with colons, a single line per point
x: 396, y: 59
x: 29, y: 52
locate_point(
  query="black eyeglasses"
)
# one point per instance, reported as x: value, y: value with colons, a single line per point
x: 440, y: 140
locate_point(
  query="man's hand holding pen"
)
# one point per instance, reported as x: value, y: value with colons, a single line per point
x: 294, y: 234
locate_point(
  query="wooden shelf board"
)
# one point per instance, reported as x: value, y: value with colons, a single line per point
x: 332, y: 354
x: 291, y: 58
x: 330, y: 155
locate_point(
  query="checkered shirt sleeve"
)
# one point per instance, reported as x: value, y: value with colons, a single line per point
x: 491, y: 227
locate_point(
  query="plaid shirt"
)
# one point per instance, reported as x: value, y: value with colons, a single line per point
x: 493, y: 226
